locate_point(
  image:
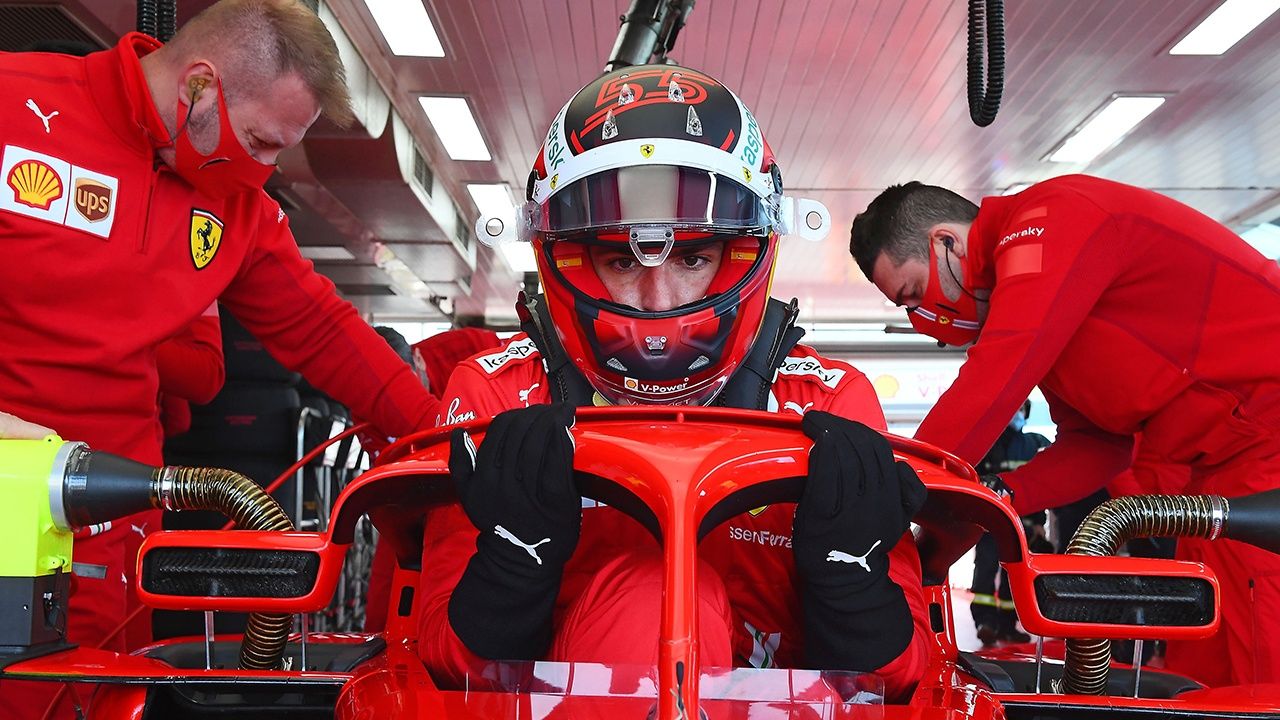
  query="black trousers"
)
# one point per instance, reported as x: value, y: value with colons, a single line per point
x: 992, y: 604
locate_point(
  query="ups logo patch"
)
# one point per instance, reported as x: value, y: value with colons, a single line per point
x: 92, y: 200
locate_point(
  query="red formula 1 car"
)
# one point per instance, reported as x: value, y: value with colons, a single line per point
x: 681, y: 472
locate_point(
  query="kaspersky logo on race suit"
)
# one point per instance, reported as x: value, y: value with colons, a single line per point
x: 494, y: 362
x: 810, y: 366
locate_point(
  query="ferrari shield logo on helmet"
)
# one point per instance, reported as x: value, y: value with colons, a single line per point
x: 206, y: 237
x: 646, y: 150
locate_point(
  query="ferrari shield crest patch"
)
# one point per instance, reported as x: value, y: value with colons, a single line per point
x: 206, y: 237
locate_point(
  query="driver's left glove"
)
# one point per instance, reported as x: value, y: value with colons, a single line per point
x: 857, y: 503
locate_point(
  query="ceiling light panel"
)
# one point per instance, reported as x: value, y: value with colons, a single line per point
x: 519, y: 256
x: 1117, y: 118
x: 455, y: 125
x: 491, y: 199
x: 406, y: 27
x: 1225, y: 27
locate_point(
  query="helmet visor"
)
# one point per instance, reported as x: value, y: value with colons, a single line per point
x: 608, y: 272
x: 676, y: 196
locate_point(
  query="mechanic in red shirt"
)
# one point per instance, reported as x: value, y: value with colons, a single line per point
x: 130, y: 198
x: 1134, y: 314
x: 655, y: 211
x: 436, y: 357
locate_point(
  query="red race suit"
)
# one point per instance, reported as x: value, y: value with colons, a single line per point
x: 105, y: 253
x: 751, y: 553
x: 1135, y: 314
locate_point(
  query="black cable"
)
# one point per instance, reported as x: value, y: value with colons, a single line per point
x: 946, y: 261
x: 986, y: 28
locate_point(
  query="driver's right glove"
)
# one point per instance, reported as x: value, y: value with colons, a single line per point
x: 519, y: 492
x: 857, y: 503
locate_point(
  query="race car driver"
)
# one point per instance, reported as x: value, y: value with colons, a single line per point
x: 131, y: 198
x: 1135, y: 314
x: 655, y: 210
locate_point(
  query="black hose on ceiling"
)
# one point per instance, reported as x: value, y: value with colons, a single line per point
x: 167, y: 20
x: 648, y: 28
x: 148, y: 18
x: 986, y: 29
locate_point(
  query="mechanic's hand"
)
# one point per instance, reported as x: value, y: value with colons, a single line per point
x: 18, y: 429
x: 519, y: 492
x: 857, y: 503
x: 997, y: 485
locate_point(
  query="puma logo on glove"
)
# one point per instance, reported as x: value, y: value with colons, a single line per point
x: 844, y: 557
x: 505, y: 534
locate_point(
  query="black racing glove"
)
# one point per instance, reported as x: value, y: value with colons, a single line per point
x: 519, y: 492
x: 857, y: 503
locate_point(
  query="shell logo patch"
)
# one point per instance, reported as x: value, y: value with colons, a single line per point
x: 206, y: 237
x: 92, y: 200
x: 646, y: 150
x: 35, y: 184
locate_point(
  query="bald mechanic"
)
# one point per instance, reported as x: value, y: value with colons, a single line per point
x: 132, y: 178
x: 1134, y: 314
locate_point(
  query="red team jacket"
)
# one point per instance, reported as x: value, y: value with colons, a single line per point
x: 752, y: 553
x: 105, y: 253
x: 1134, y: 313
x: 192, y: 369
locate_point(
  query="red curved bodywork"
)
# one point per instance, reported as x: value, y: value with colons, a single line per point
x: 686, y: 466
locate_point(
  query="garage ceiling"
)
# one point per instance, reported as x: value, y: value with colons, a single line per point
x: 853, y: 95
